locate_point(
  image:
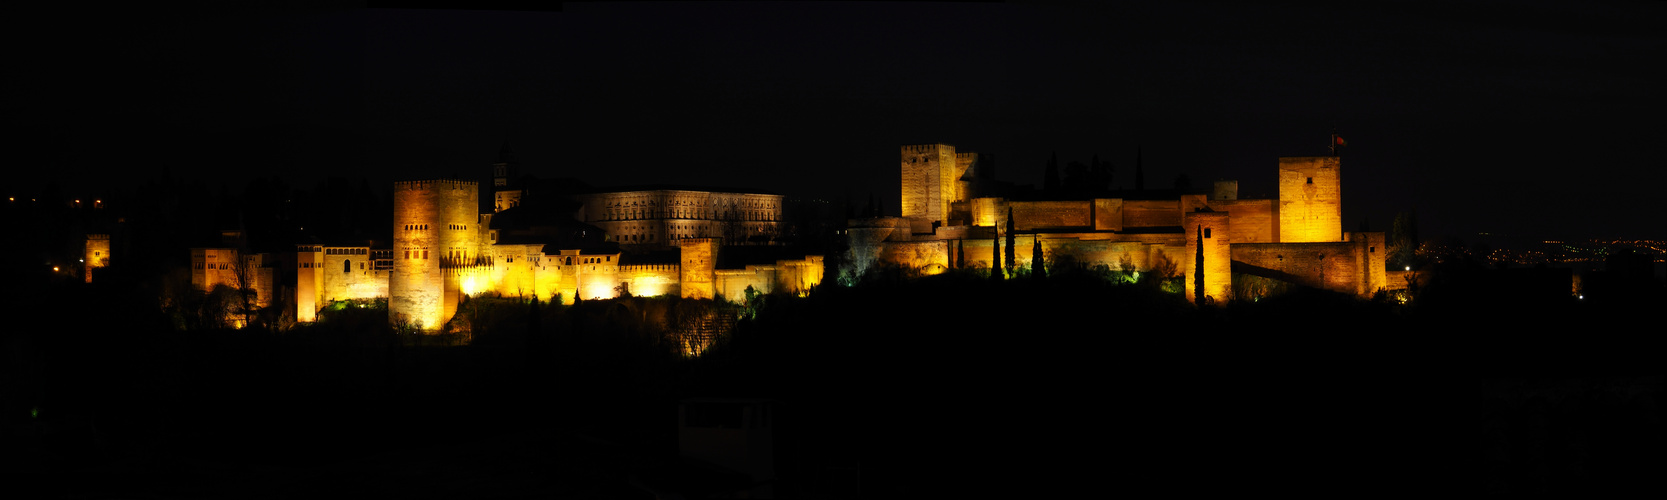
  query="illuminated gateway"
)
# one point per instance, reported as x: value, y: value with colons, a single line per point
x: 1297, y: 238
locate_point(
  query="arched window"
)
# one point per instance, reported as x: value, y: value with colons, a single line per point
x: 347, y: 266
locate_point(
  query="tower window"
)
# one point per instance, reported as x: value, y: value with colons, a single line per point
x: 1310, y: 180
x: 347, y: 266
x: 1206, y: 232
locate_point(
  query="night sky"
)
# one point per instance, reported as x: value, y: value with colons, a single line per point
x: 1534, y: 119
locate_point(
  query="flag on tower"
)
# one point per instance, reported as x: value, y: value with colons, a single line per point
x: 1339, y: 140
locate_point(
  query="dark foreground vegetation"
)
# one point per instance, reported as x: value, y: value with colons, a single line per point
x: 936, y: 386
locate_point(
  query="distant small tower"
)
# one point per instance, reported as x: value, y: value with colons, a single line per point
x: 97, y: 254
x: 504, y: 194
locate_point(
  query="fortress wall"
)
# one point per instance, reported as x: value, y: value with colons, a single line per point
x: 415, y: 287
x: 1029, y: 215
x: 1310, y: 199
x: 1254, y: 221
x: 548, y: 274
x: 1151, y: 213
x: 1091, y: 253
x: 599, y: 279
x: 1108, y: 214
x: 357, y: 280
x: 798, y: 276
x: 1369, y: 257
x: 733, y: 283
x: 920, y: 254
x: 1331, y: 266
x: 1212, y: 232
x: 651, y: 279
x: 987, y: 211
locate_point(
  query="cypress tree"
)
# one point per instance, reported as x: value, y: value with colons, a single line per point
x: 1010, y: 255
x: 1198, y: 272
x: 995, y: 259
x: 1038, y: 268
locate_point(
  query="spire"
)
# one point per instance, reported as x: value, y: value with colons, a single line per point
x: 505, y: 155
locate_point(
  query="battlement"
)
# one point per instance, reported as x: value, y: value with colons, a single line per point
x: 639, y: 268
x: 925, y: 148
x: 438, y: 183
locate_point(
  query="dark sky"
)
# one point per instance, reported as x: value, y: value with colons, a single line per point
x: 1533, y: 119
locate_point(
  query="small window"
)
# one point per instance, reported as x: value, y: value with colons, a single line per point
x: 1206, y: 232
x: 1310, y: 180
x: 347, y: 266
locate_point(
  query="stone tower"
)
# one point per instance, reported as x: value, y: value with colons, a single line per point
x: 435, y: 230
x: 700, y: 261
x: 97, y: 253
x: 931, y: 180
x: 1218, y: 254
x: 1310, y: 199
x: 504, y: 193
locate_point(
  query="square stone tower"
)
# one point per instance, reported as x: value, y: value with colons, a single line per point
x: 1310, y: 199
x: 931, y: 181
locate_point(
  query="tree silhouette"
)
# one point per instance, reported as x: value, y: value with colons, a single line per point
x: 1010, y: 256
x: 1037, y: 267
x: 1198, y: 272
x: 995, y: 259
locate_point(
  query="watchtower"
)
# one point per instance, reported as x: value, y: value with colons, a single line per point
x: 1310, y: 199
x: 434, y: 228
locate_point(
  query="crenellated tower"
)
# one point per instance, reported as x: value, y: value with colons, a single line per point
x: 436, y: 229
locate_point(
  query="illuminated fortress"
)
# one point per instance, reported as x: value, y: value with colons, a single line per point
x: 444, y: 250
x: 1297, y: 238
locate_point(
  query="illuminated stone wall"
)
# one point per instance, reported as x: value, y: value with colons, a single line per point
x: 97, y: 253
x: 1108, y: 214
x: 1371, y: 259
x: 1331, y: 266
x: 1218, y: 255
x: 699, y: 260
x: 1310, y: 199
x: 649, y: 280
x: 1151, y: 213
x: 1030, y: 215
x: 797, y: 277
x: 733, y: 283
x: 1254, y: 221
x: 987, y: 212
x: 929, y: 256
